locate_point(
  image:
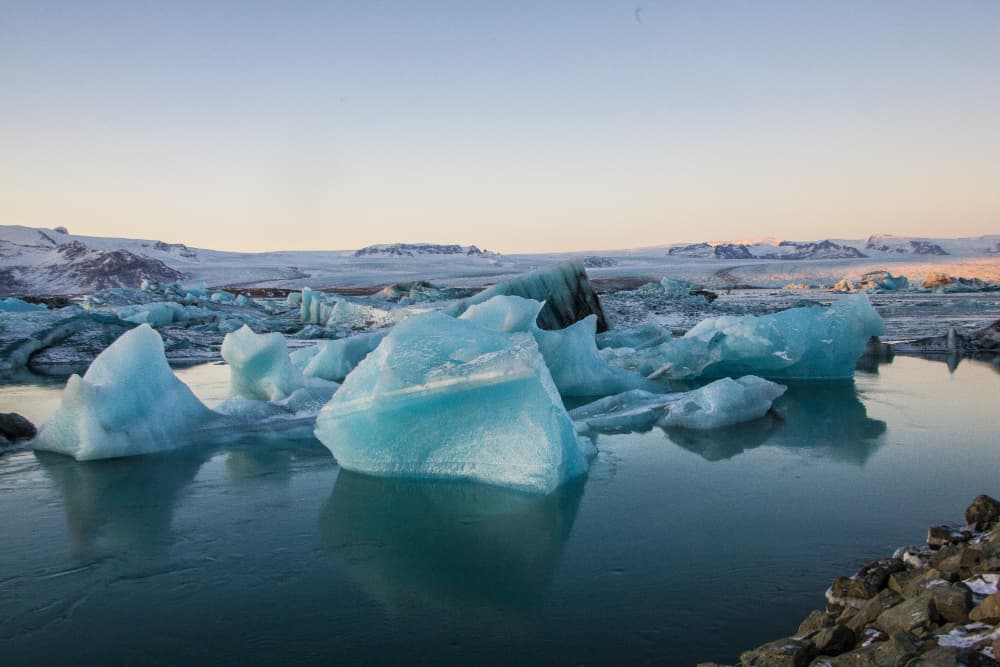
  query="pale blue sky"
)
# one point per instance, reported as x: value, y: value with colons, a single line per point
x: 513, y: 125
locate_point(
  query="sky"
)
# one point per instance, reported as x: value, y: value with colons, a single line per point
x: 515, y: 126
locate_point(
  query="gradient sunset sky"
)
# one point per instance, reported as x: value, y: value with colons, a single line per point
x: 517, y: 126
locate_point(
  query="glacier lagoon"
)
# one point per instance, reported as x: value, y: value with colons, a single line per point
x: 666, y: 551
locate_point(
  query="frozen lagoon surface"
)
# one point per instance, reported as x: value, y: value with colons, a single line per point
x: 676, y: 547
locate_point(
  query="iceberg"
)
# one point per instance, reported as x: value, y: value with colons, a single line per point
x: 334, y: 359
x: 810, y: 343
x: 259, y: 365
x: 349, y: 316
x: 445, y: 398
x: 15, y: 305
x: 129, y: 402
x: 718, y: 404
x: 565, y: 289
x: 313, y: 309
x: 571, y: 354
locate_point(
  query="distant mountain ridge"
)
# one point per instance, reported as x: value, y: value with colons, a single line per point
x: 793, y: 250
x: 414, y: 249
x: 875, y: 246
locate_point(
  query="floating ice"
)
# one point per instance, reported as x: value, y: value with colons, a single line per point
x: 811, y: 343
x: 334, y: 359
x: 565, y: 289
x: 13, y: 305
x: 347, y: 315
x: 576, y: 365
x: 260, y: 368
x: 314, y: 309
x: 128, y: 402
x: 721, y: 403
x: 446, y: 398
x: 883, y: 280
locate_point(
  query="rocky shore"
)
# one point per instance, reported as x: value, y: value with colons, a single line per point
x: 935, y: 604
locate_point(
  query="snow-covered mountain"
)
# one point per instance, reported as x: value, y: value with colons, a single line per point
x: 767, y: 249
x: 886, y: 243
x: 415, y: 249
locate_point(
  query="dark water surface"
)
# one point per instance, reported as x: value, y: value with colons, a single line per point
x: 678, y: 547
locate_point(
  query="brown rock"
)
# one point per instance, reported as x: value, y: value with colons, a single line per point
x: 909, y: 615
x: 988, y: 611
x: 787, y: 652
x: 872, y: 610
x: 983, y: 513
x: 953, y: 602
x: 816, y: 620
x: 834, y: 640
x: 949, y: 656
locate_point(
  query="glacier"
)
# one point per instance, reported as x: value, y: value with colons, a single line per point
x: 723, y: 402
x: 128, y: 402
x: 808, y: 343
x: 446, y: 398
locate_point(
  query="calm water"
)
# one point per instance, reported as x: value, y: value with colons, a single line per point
x: 678, y: 547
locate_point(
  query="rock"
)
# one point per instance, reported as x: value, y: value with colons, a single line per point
x: 953, y: 602
x: 909, y: 615
x: 941, y: 535
x: 896, y: 651
x: 816, y: 620
x: 934, y: 279
x: 789, y: 652
x: 873, y: 609
x: 988, y: 611
x: 870, y: 579
x: 14, y: 427
x: 950, y: 656
x: 970, y: 560
x: 983, y: 513
x: 834, y: 640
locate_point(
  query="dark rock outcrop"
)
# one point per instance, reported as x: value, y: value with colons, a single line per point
x: 14, y: 427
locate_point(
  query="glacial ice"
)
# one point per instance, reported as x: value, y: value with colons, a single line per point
x: 313, y: 307
x: 259, y: 365
x: 348, y: 316
x: 571, y: 354
x: 721, y: 403
x: 810, y: 343
x: 334, y: 359
x: 13, y: 305
x: 565, y: 289
x: 445, y: 398
x: 128, y: 402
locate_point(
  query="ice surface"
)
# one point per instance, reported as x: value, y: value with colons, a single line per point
x: 12, y: 305
x: 565, y: 289
x: 810, y: 343
x: 128, y: 402
x: 260, y: 368
x: 314, y: 309
x: 334, y: 359
x: 721, y: 403
x: 571, y: 354
x: 349, y: 316
x: 446, y: 398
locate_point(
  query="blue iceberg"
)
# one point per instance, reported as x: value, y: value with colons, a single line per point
x: 446, y: 398
x: 811, y: 343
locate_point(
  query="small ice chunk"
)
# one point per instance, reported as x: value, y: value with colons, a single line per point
x: 505, y: 313
x: 259, y: 365
x: 313, y: 307
x: 721, y: 403
x: 13, y: 305
x: 349, y: 316
x: 129, y: 402
x: 334, y: 359
x: 445, y: 398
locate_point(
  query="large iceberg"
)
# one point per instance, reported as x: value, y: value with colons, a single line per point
x: 811, y: 343
x: 128, y: 402
x: 576, y: 365
x: 720, y: 403
x: 565, y: 289
x: 446, y: 398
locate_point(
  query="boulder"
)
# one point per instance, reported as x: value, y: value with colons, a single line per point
x: 873, y: 609
x: 953, y: 602
x: 983, y: 513
x: 951, y: 656
x: 816, y: 620
x: 14, y: 427
x: 915, y: 614
x: 869, y: 580
x: 787, y: 652
x: 988, y: 610
x: 834, y: 640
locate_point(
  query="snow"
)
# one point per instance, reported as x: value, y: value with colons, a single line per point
x: 721, y: 403
x: 809, y: 343
x: 129, y: 402
x: 445, y: 398
x: 260, y: 367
